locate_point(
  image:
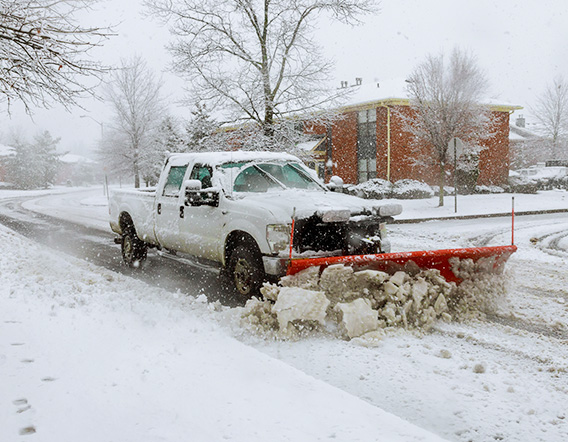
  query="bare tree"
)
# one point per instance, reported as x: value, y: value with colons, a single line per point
x: 551, y: 111
x: 445, y: 102
x: 255, y: 58
x: 134, y: 94
x: 43, y: 51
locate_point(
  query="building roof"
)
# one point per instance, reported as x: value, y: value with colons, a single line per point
x: 517, y: 133
x: 70, y: 158
x: 6, y: 150
x: 311, y: 146
x: 393, y: 92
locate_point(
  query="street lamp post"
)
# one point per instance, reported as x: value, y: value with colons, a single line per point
x: 96, y: 121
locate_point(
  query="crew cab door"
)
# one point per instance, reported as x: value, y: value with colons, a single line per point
x: 167, y: 212
x: 202, y: 225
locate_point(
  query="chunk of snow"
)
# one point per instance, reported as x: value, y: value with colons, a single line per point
x: 357, y: 317
x: 307, y: 279
x: 398, y: 278
x: 370, y: 339
x: 336, y: 281
x: 297, y: 304
x: 419, y: 290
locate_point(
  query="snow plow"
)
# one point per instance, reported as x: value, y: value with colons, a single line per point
x: 490, y: 260
x: 442, y: 260
x: 369, y: 295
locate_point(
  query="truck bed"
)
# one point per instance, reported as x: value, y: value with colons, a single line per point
x: 139, y: 204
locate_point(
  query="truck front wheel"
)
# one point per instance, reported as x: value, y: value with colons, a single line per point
x: 246, y: 271
x: 134, y: 251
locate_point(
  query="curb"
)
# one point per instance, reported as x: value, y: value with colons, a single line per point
x: 490, y: 215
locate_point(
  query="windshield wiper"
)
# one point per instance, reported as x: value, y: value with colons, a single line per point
x: 305, y: 175
x: 269, y: 176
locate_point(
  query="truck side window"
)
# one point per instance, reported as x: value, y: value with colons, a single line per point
x: 203, y: 174
x: 174, y: 181
x: 251, y: 180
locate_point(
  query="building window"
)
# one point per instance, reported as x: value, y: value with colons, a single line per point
x: 367, y: 145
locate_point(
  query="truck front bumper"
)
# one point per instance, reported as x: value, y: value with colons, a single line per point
x: 275, y: 266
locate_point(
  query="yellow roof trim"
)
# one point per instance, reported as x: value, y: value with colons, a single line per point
x: 504, y: 107
x: 406, y: 102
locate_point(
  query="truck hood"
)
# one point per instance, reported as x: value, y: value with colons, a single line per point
x: 331, y: 206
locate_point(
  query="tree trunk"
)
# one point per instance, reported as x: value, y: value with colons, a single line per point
x: 136, y: 170
x: 441, y: 185
x: 269, y: 122
x: 136, y: 177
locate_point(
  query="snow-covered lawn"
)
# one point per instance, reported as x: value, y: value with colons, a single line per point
x: 88, y: 354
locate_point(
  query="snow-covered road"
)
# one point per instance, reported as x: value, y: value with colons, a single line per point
x: 503, y: 378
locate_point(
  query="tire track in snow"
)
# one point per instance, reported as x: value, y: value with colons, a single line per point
x: 517, y: 351
x: 539, y: 328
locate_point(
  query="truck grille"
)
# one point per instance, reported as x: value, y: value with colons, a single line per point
x: 347, y: 238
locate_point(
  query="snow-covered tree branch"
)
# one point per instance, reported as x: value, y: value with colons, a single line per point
x: 446, y: 103
x: 255, y: 60
x: 43, y: 52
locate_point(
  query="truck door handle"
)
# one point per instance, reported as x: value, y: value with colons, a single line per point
x: 181, y: 211
x: 159, y: 208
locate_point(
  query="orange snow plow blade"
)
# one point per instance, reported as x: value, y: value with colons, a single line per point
x: 428, y: 259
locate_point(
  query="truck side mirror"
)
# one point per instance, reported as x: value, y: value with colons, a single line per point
x: 335, y: 184
x: 196, y: 196
x: 192, y: 185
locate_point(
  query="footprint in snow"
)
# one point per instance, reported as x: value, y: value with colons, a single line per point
x: 22, y: 404
x: 27, y: 430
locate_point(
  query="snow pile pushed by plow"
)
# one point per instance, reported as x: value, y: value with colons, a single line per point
x: 369, y: 304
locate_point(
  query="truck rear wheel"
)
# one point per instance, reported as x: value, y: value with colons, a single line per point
x: 134, y: 251
x: 246, y: 271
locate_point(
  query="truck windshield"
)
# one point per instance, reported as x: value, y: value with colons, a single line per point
x: 261, y: 177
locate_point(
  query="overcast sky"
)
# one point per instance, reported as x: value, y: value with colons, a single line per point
x: 521, y: 45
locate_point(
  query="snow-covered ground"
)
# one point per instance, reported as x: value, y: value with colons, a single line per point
x: 88, y: 354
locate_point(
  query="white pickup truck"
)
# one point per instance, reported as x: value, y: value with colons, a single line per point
x: 236, y: 209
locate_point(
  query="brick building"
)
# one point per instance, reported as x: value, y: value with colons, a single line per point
x: 370, y: 141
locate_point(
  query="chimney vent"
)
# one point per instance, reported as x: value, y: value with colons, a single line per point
x: 344, y: 84
x: 358, y: 81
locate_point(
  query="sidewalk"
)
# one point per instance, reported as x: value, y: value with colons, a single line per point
x: 481, y: 206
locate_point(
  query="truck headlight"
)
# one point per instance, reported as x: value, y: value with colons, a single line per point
x: 278, y: 237
x: 390, y: 210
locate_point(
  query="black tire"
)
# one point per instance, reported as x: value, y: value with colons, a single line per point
x: 134, y: 251
x: 246, y: 271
